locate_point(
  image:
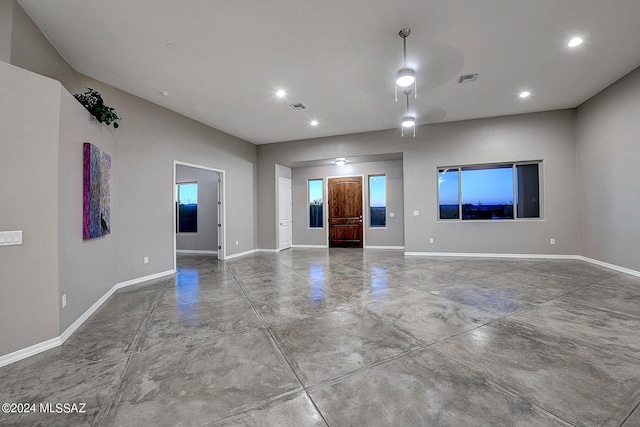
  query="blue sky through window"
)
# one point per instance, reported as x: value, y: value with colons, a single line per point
x: 188, y: 194
x: 378, y: 191
x: 315, y: 190
x: 487, y: 186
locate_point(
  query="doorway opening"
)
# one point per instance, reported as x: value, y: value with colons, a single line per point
x: 344, y: 204
x: 198, y: 210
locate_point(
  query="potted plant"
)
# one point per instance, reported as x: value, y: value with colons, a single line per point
x: 92, y: 100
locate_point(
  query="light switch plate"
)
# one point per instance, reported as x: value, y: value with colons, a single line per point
x: 9, y: 238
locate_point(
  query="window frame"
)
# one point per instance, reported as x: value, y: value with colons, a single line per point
x: 321, y: 226
x: 178, y: 184
x: 513, y: 166
x: 386, y: 194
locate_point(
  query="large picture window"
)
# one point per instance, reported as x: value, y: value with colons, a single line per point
x: 187, y: 209
x: 315, y: 203
x: 378, y: 200
x: 489, y: 192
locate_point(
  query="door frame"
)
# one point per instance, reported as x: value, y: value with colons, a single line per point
x: 365, y: 217
x: 280, y: 179
x: 222, y: 230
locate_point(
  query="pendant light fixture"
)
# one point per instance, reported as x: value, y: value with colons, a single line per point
x: 406, y: 76
x: 408, y: 121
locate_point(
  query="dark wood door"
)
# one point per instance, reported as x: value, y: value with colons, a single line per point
x: 345, y: 212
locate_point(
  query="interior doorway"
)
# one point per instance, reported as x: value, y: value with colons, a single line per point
x: 199, y: 211
x: 344, y: 199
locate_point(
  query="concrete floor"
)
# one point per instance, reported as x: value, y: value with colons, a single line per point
x: 312, y: 337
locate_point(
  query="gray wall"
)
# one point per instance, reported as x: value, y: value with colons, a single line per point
x: 87, y: 267
x: 391, y: 235
x: 6, y: 24
x: 608, y: 174
x: 31, y: 50
x: 29, y: 110
x: 44, y: 141
x: 206, y: 239
x: 547, y: 136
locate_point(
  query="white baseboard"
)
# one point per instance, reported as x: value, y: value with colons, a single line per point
x: 143, y: 279
x: 7, y: 359
x: 310, y: 246
x: 385, y: 247
x: 189, y: 251
x: 57, y: 341
x: 484, y: 255
x: 238, y: 255
x: 611, y: 266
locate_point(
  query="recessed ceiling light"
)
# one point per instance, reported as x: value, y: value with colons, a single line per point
x: 314, y: 123
x: 171, y: 45
x: 524, y: 94
x: 164, y: 93
x: 340, y: 161
x: 280, y: 93
x: 576, y: 41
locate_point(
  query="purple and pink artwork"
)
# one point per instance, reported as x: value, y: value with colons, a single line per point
x: 96, y: 217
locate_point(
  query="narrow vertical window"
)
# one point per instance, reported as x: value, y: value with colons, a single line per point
x: 187, y: 209
x: 448, y: 193
x: 378, y: 200
x: 315, y: 203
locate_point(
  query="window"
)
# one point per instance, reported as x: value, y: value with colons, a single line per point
x: 489, y: 191
x: 315, y: 203
x: 187, y: 209
x: 378, y: 200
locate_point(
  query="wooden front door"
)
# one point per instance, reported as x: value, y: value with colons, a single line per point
x: 345, y: 212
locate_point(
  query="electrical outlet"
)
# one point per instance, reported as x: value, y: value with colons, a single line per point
x: 416, y: 213
x: 392, y: 215
x: 430, y: 239
x: 146, y: 260
x: 64, y: 300
x: 237, y: 243
x: 552, y: 241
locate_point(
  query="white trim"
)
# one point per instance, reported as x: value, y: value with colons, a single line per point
x: 488, y: 255
x: 252, y: 251
x: 385, y: 247
x: 611, y: 266
x: 143, y: 279
x: 273, y: 251
x: 311, y: 246
x: 189, y: 251
x: 57, y: 341
x: 29, y: 351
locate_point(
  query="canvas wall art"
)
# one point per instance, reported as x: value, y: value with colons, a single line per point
x: 96, y: 192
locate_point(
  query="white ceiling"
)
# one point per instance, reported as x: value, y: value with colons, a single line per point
x: 221, y: 61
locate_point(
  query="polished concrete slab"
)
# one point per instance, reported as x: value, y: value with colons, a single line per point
x: 312, y: 337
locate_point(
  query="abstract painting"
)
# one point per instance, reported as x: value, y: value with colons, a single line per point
x: 96, y: 195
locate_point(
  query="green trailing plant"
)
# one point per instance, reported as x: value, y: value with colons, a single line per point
x: 92, y: 100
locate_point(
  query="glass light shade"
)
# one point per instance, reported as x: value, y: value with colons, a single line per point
x: 408, y: 121
x: 340, y: 161
x: 405, y: 77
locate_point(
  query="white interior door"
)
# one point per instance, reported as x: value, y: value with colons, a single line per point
x: 284, y: 213
x: 220, y: 219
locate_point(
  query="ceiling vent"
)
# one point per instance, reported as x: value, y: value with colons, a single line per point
x: 298, y: 106
x: 468, y: 78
